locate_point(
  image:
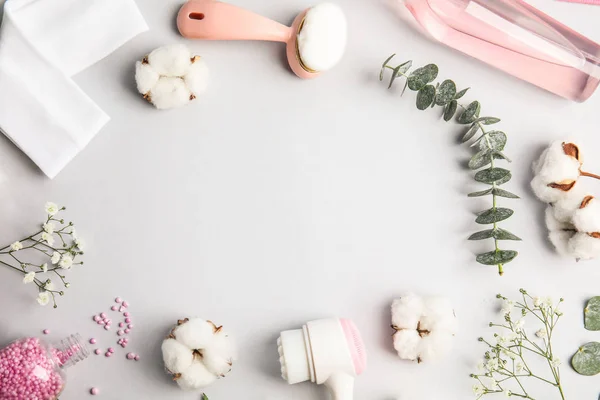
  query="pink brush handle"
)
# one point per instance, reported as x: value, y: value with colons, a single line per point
x: 213, y: 20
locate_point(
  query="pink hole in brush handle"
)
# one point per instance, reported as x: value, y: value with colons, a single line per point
x: 358, y: 352
x: 213, y: 20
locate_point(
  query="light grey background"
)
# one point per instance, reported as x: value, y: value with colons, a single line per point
x: 271, y: 201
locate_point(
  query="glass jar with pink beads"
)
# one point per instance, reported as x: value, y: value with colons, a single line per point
x: 32, y: 369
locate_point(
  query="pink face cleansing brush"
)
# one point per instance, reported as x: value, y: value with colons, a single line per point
x: 326, y: 351
x: 314, y: 43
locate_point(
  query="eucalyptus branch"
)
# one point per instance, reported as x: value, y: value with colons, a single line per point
x: 505, y: 368
x: 489, y: 145
x: 31, y: 255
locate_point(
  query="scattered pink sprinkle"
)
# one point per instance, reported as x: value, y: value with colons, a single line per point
x: 137, y: 358
x: 125, y: 304
x: 126, y: 314
x: 100, y: 322
x: 130, y: 326
x: 127, y: 330
x: 97, y: 318
x: 92, y: 341
x: 118, y: 300
x: 121, y: 324
x: 46, y: 331
x: 102, y: 315
x: 130, y: 356
x: 114, y: 308
x: 127, y: 320
x: 111, y: 350
x: 108, y: 354
x: 120, y: 332
x: 94, y: 391
x: 97, y: 351
x: 106, y: 327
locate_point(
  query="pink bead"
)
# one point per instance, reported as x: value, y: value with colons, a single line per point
x: 137, y: 358
x: 97, y: 351
x: 108, y: 354
x: 130, y: 326
x: 121, y: 324
x: 118, y: 300
x: 126, y: 314
x: 94, y: 391
x: 120, y: 332
x: 127, y: 320
x: 100, y: 322
x: 46, y: 331
x: 92, y: 341
x: 97, y: 318
x: 106, y: 327
x: 102, y: 315
x: 125, y: 304
x: 130, y: 356
x: 127, y: 330
x: 114, y: 308
x: 111, y: 350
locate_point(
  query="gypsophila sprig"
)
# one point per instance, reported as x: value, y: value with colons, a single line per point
x: 45, y: 255
x: 506, y: 365
x: 488, y: 145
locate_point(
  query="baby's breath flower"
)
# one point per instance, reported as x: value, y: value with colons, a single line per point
x: 29, y: 277
x: 55, y: 257
x: 49, y: 285
x: 48, y: 227
x: 519, y: 325
x: 507, y: 307
x: 542, y: 334
x: 519, y: 367
x: 44, y: 267
x: 80, y: 244
x: 478, y: 389
x: 43, y: 298
x: 66, y: 262
x: 16, y: 246
x: 556, y: 362
x: 48, y: 238
x: 51, y: 208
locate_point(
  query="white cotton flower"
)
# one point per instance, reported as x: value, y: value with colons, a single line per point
x: 48, y: 238
x: 583, y: 246
x: 553, y: 224
x: 541, y: 333
x: 66, y: 262
x: 556, y: 171
x: 425, y: 327
x: 586, y: 216
x: 43, y: 298
x: 29, y: 277
x: 16, y: 246
x: 171, y: 77
x: 44, y: 267
x: 55, y: 257
x: 560, y: 240
x: 407, y: 311
x: 48, y: 227
x: 197, y: 353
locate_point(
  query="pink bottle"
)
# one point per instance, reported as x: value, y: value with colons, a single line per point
x: 517, y: 38
x: 31, y: 369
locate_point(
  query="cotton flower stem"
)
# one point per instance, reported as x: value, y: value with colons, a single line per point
x: 589, y: 174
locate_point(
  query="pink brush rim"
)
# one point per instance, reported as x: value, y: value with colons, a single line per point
x: 358, y: 352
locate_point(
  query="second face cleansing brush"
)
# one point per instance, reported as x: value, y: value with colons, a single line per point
x: 314, y: 43
x: 326, y: 351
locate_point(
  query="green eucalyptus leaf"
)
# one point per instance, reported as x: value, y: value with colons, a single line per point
x: 592, y: 314
x: 501, y: 156
x: 445, y: 93
x: 204, y: 397
x: 494, y: 140
x: 384, y: 65
x: 487, y: 120
x: 398, y: 71
x: 473, y: 129
x: 497, y: 257
x: 450, y: 110
x: 480, y: 159
x: 494, y: 215
x: 493, y: 175
x: 470, y: 114
x: 501, y: 234
x: 587, y: 359
x: 422, y: 76
x: 488, y: 233
x: 504, y: 193
x: 425, y: 97
x: 461, y: 93
x: 482, y: 193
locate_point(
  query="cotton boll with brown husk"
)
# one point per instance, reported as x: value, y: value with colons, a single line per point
x: 197, y: 352
x: 556, y: 171
x: 171, y: 77
x: 424, y: 327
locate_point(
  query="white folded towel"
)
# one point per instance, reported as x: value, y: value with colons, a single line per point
x: 42, y: 44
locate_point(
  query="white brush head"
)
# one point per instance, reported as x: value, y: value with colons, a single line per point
x: 322, y: 37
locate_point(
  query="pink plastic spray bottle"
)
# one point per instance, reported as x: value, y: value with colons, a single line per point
x: 518, y: 39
